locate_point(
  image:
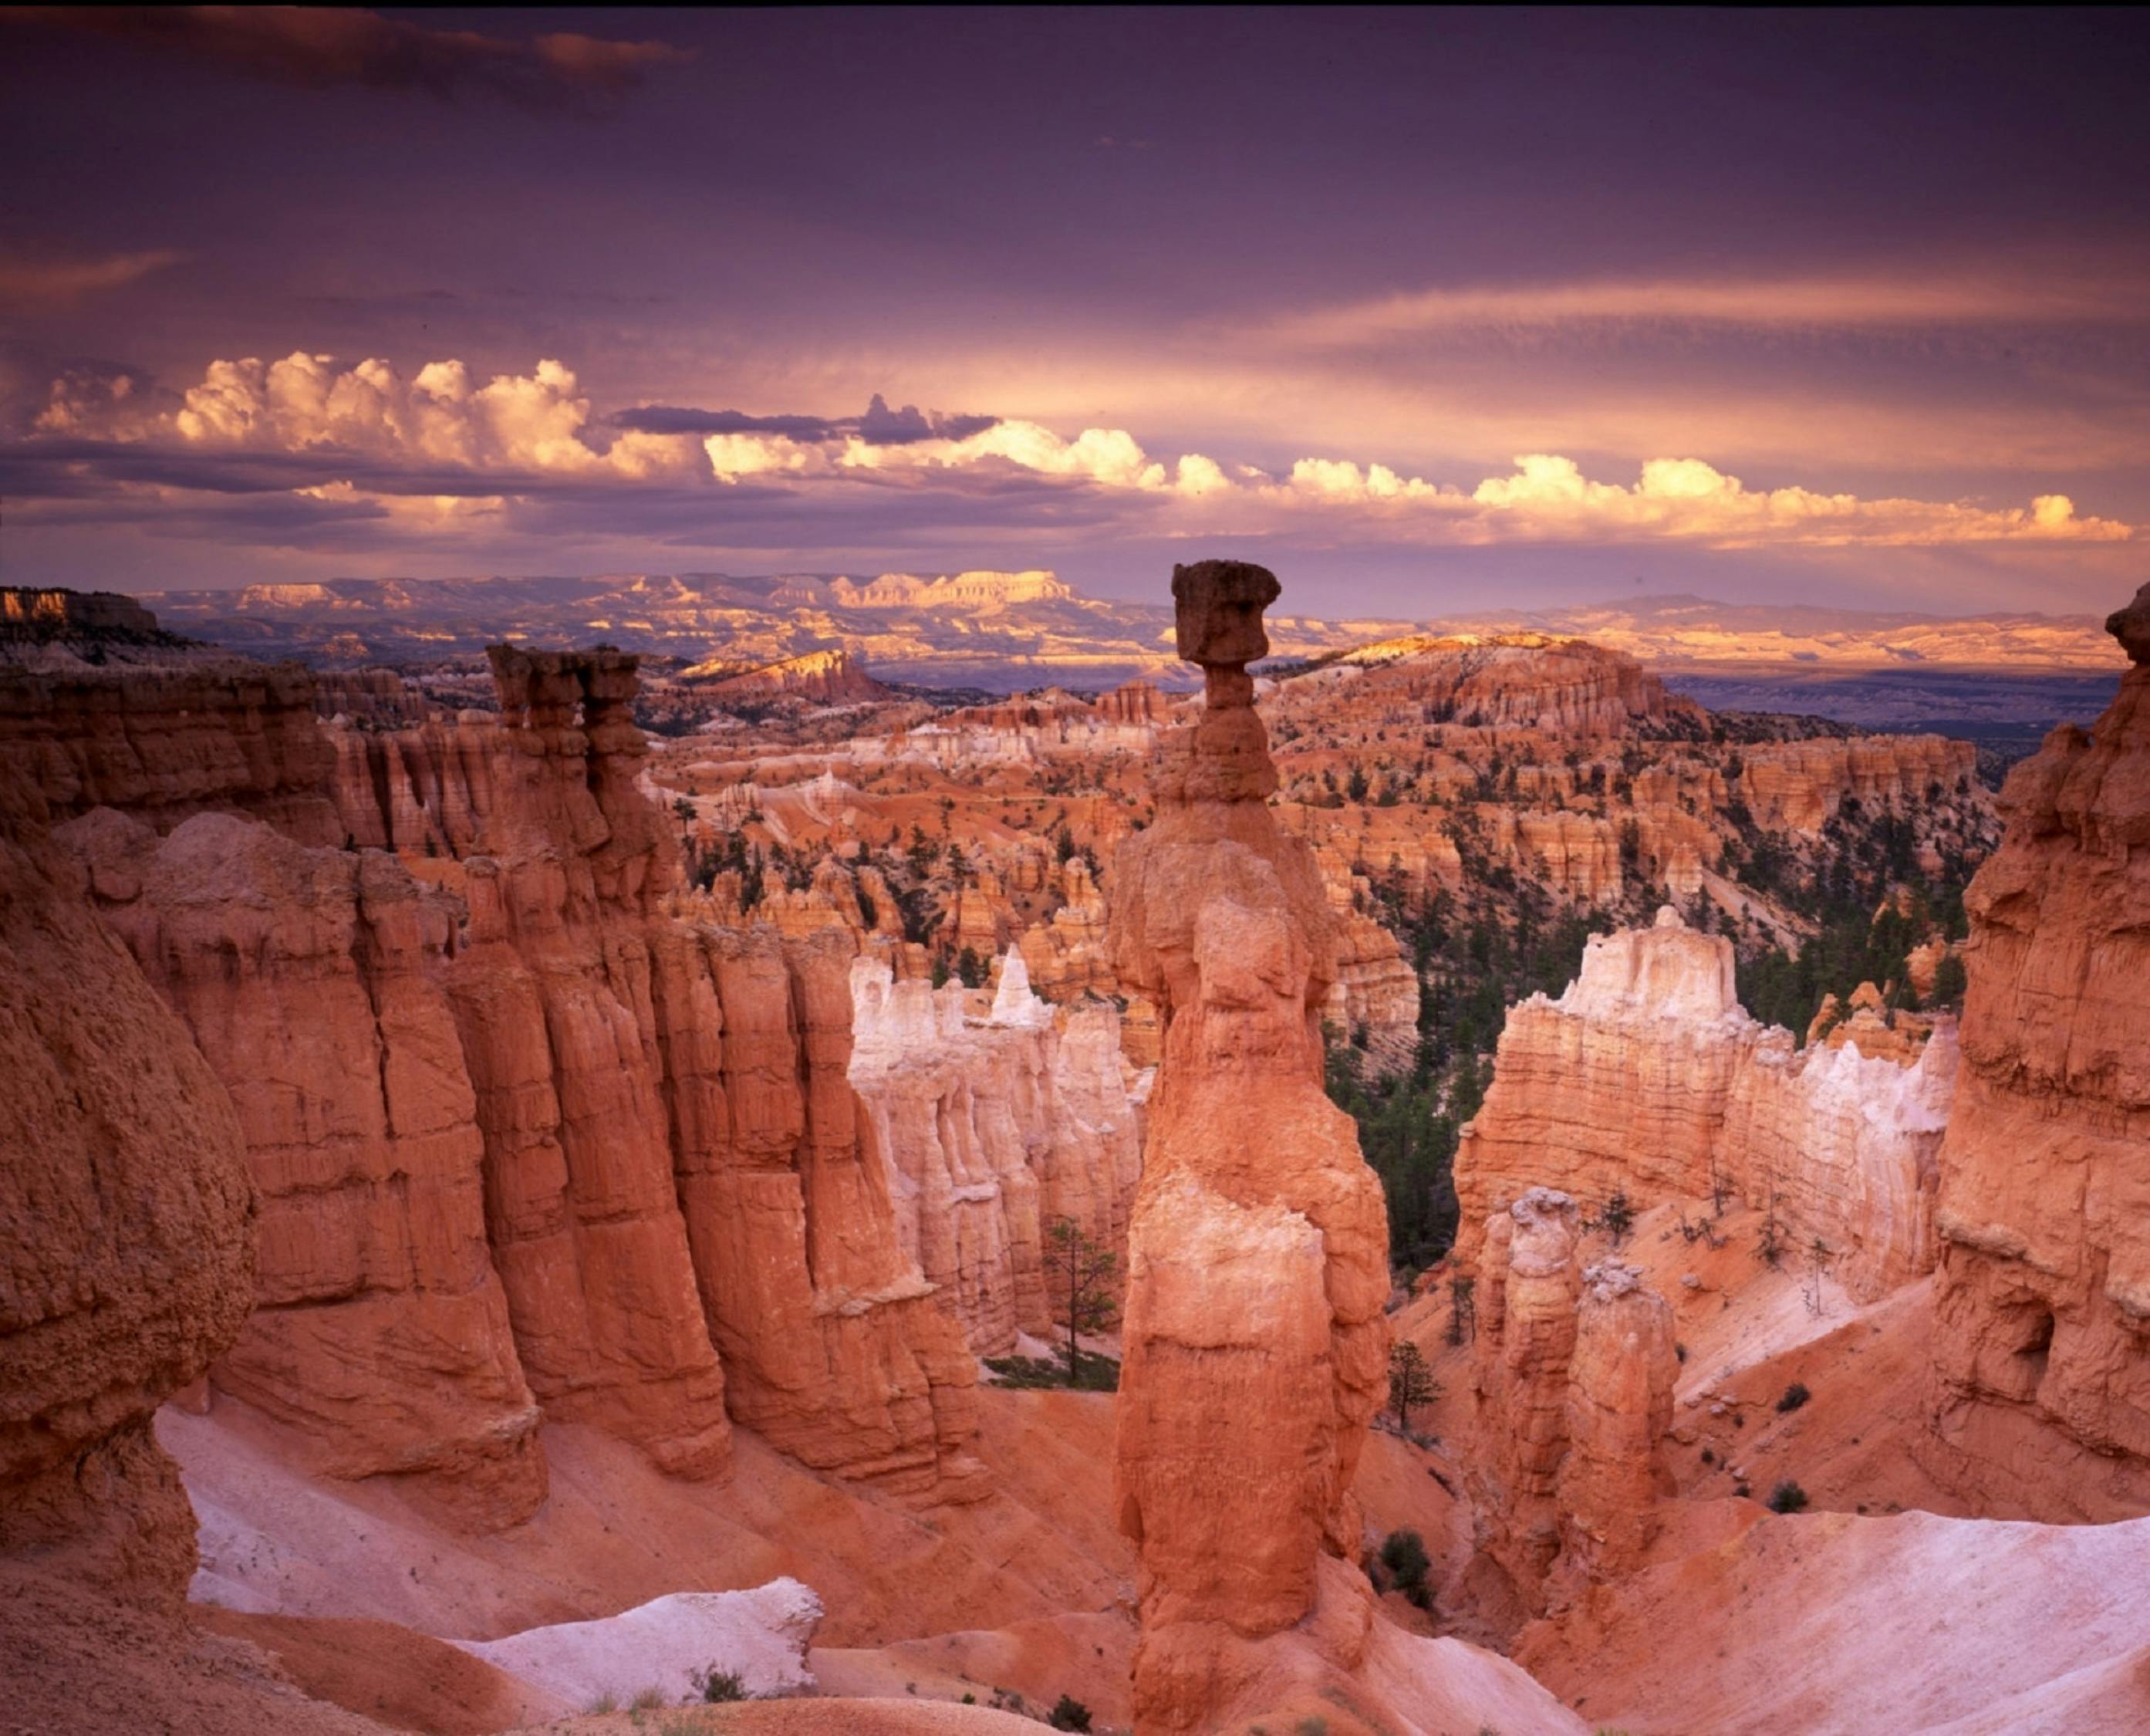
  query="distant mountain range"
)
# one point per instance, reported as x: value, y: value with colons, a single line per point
x: 1999, y: 674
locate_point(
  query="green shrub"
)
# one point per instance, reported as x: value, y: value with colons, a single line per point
x: 1069, y: 1714
x: 1795, y: 1396
x: 1787, y: 1498
x: 718, y: 1688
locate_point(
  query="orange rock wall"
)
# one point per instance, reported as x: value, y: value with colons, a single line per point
x: 1647, y: 1078
x: 2041, y: 1349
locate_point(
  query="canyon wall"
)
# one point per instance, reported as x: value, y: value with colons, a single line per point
x: 1647, y: 1078
x: 535, y: 1133
x: 991, y: 1128
x: 1255, y: 1345
x: 129, y: 1263
x: 2042, y: 1347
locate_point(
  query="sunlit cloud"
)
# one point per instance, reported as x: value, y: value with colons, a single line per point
x: 439, y: 453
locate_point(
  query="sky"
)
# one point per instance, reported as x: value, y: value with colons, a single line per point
x: 1427, y: 311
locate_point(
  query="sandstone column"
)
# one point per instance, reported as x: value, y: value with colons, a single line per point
x: 1255, y: 1345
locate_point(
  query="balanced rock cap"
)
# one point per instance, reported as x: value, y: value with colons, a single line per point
x: 1217, y: 614
x: 2130, y: 625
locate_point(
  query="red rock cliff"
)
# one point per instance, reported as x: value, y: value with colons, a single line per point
x: 2041, y: 1400
x: 128, y: 1264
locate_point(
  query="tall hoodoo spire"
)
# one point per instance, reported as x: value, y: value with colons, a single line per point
x: 1255, y: 1343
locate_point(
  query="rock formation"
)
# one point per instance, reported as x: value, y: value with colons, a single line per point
x: 535, y: 1133
x: 1573, y: 1373
x: 309, y: 979
x: 2041, y: 1343
x: 128, y: 1262
x: 1254, y: 1340
x: 1647, y: 1078
x: 992, y: 1127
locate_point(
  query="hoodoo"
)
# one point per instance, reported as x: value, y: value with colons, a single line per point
x: 1254, y: 1339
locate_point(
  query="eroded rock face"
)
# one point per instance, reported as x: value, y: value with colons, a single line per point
x: 1254, y: 1340
x: 992, y: 1127
x: 1573, y: 1371
x: 130, y: 1262
x: 2042, y: 1339
x: 1647, y: 1078
x: 164, y: 745
x: 536, y: 1131
x: 311, y: 980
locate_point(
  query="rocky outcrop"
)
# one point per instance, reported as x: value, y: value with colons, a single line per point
x: 1374, y: 1002
x: 164, y: 745
x: 27, y: 614
x: 127, y: 1263
x: 1647, y: 1078
x: 1254, y: 1341
x: 834, y: 1347
x: 2041, y: 1344
x: 821, y: 678
x: 1524, y: 681
x: 1801, y: 786
x: 991, y: 1126
x: 310, y: 981
x: 1573, y: 1372
x: 536, y: 1133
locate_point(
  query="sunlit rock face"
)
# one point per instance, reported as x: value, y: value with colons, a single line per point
x: 1647, y: 1078
x: 2041, y: 1400
x: 130, y: 1262
x: 990, y: 1125
x: 1573, y: 1370
x: 536, y: 1133
x: 1255, y: 1345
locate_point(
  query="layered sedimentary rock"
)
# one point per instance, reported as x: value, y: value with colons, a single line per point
x: 1525, y: 1340
x: 2042, y: 1339
x: 164, y: 745
x: 1255, y: 1345
x: 991, y: 1128
x: 1619, y: 1412
x: 128, y: 1264
x: 310, y: 981
x: 834, y: 1347
x: 1573, y: 1371
x: 1801, y: 786
x: 536, y: 1131
x: 1374, y: 1002
x: 1647, y: 1078
x: 1524, y: 681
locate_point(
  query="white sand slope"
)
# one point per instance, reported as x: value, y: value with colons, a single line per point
x: 759, y: 1636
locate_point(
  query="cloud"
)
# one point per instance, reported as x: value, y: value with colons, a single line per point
x: 317, y: 46
x: 1863, y: 302
x: 30, y: 278
x: 880, y: 425
x: 438, y: 453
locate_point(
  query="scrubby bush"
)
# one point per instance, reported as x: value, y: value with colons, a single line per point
x: 717, y: 1688
x: 1403, y: 1553
x: 1069, y: 1714
x: 1787, y: 1498
x: 1795, y: 1396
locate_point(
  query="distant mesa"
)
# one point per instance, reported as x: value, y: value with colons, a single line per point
x: 42, y: 614
x: 964, y: 590
x: 831, y: 678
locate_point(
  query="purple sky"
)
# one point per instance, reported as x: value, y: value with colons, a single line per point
x: 1430, y: 311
